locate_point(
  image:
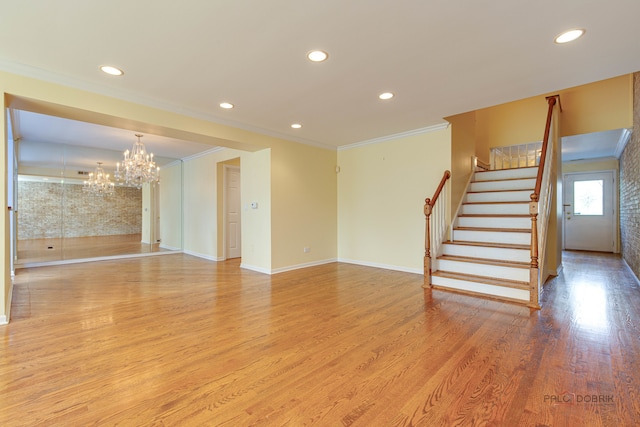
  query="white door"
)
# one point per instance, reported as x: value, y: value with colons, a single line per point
x: 232, y: 211
x: 590, y: 211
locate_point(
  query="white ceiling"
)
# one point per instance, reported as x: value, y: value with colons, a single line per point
x: 439, y: 57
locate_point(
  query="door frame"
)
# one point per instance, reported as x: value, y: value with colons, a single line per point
x: 225, y: 169
x: 616, y: 211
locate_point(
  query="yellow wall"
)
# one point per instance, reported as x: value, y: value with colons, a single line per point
x: 304, y: 205
x: 463, y: 149
x: 256, y: 186
x: 381, y: 192
x: 201, y: 211
x: 171, y: 206
x: 595, y: 107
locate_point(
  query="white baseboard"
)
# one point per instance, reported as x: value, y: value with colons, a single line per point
x: 170, y: 248
x: 384, y: 266
x: 255, y: 268
x: 199, y: 255
x: 4, y: 319
x: 287, y: 268
x: 304, y: 265
x: 103, y: 258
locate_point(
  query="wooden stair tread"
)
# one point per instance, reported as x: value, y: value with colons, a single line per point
x: 485, y: 296
x: 501, y: 191
x: 496, y: 230
x: 487, y: 244
x: 482, y: 279
x: 494, y: 215
x: 486, y: 261
x: 510, y: 169
x: 496, y: 203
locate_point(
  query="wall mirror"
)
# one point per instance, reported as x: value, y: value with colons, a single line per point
x: 58, y: 220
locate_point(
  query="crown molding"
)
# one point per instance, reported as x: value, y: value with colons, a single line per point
x: 622, y: 142
x: 100, y: 89
x: 420, y: 131
x: 203, y: 153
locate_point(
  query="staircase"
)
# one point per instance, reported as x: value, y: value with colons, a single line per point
x: 489, y: 253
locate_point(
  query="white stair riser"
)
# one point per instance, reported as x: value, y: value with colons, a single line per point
x: 512, y: 184
x: 500, y: 196
x: 494, y: 222
x: 492, y: 237
x: 495, y: 209
x: 485, y: 270
x: 482, y: 288
x: 506, y: 174
x: 487, y: 252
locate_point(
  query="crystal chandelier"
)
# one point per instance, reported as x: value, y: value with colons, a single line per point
x: 98, y: 183
x: 137, y: 167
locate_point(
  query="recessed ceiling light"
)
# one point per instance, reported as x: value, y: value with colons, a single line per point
x: 296, y: 125
x: 226, y: 105
x: 569, y: 36
x: 386, y: 95
x: 111, y: 70
x: 317, y: 55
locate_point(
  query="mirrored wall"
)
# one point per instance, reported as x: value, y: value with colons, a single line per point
x: 58, y: 220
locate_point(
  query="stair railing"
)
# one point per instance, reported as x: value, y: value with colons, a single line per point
x: 540, y: 206
x: 435, y: 211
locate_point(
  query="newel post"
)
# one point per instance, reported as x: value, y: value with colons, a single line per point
x: 427, y: 243
x: 533, y: 270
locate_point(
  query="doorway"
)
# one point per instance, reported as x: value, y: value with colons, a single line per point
x: 590, y: 211
x: 232, y: 212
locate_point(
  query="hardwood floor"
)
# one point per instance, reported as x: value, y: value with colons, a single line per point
x: 47, y: 250
x: 180, y: 341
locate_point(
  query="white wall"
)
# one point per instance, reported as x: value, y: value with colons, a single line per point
x: 381, y: 192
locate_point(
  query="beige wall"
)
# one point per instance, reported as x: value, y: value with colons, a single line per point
x: 303, y: 205
x: 202, y: 215
x: 170, y: 193
x: 463, y: 149
x: 595, y: 107
x: 381, y: 192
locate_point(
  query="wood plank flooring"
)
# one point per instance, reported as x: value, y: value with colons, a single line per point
x: 48, y: 250
x: 180, y: 341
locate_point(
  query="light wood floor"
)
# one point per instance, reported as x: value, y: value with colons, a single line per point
x: 48, y: 250
x: 180, y: 341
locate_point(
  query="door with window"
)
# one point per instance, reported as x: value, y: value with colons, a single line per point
x: 590, y: 211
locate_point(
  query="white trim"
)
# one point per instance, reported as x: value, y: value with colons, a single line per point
x: 102, y: 258
x: 199, y: 255
x: 255, y: 268
x: 170, y: 248
x: 616, y: 209
x: 4, y: 319
x: 288, y: 268
x: 384, y: 266
x: 304, y: 265
x: 434, y: 128
x: 622, y: 142
x: 172, y: 164
x: 112, y: 92
x: 202, y: 154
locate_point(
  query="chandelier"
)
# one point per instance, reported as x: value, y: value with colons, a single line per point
x: 98, y: 183
x: 137, y: 167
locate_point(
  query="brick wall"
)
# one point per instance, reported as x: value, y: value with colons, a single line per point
x: 630, y: 188
x: 50, y: 210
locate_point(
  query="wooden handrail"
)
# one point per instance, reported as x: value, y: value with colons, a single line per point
x: 534, y: 208
x: 444, y: 179
x: 545, y: 143
x: 428, y: 207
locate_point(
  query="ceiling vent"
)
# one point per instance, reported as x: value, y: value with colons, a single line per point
x: 83, y: 173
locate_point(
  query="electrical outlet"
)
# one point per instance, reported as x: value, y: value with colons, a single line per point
x: 306, y: 250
